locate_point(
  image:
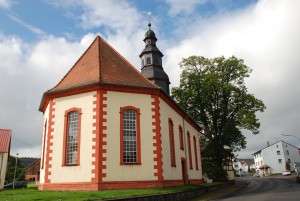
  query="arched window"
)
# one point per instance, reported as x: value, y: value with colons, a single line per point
x: 72, y: 137
x: 172, y: 144
x: 181, y: 138
x: 148, y: 60
x: 44, y: 144
x: 189, y: 150
x: 195, y: 150
x: 130, y: 136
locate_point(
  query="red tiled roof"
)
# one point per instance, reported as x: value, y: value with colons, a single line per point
x: 263, y: 166
x: 5, y: 138
x: 101, y: 64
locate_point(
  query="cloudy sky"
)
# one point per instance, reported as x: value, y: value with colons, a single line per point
x: 40, y: 40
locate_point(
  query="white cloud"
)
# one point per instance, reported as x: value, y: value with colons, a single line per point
x: 266, y: 36
x: 179, y: 6
x: 5, y: 3
x: 115, y: 15
x: 27, y: 71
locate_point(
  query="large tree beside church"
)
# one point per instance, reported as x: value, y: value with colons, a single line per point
x: 214, y: 94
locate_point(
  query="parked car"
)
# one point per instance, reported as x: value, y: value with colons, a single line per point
x: 298, y: 177
x: 18, y: 184
x: 286, y: 172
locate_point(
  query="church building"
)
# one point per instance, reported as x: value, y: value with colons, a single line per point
x: 109, y: 126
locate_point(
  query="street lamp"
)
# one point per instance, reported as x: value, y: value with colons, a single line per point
x: 15, y: 171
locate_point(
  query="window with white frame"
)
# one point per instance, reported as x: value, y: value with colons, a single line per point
x: 72, y: 138
x: 129, y: 136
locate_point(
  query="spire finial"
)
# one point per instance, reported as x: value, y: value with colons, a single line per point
x: 149, y: 20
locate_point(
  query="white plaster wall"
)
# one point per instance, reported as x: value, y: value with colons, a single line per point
x: 175, y: 173
x: 83, y: 172
x: 114, y: 171
x: 270, y: 157
x: 193, y: 174
x: 3, y: 164
x: 45, y: 134
x: 293, y: 154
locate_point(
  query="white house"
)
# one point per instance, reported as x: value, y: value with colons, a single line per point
x: 109, y: 126
x: 5, y: 140
x: 277, y: 157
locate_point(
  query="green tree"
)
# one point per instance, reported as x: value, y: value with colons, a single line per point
x: 213, y: 93
x: 10, y: 170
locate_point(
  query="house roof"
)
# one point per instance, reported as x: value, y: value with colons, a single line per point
x: 101, y: 64
x: 5, y: 139
x: 34, y: 162
x: 274, y: 144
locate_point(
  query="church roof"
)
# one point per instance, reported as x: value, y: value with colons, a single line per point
x: 101, y: 64
x: 5, y: 138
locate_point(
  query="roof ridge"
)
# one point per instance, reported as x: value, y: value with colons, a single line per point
x: 99, y: 58
x: 3, y: 129
x: 75, y: 64
x: 129, y: 64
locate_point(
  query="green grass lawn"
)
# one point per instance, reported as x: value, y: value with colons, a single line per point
x: 31, y: 193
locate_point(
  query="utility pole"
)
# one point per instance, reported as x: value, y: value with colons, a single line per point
x: 15, y: 171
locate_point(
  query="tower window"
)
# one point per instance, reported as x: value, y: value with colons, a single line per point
x: 142, y: 62
x: 148, y: 60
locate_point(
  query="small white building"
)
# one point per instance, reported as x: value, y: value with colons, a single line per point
x: 5, y: 140
x: 277, y: 157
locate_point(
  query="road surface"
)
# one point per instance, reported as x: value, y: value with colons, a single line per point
x: 283, y: 188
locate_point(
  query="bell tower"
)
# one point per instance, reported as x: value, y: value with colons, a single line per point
x: 151, y: 61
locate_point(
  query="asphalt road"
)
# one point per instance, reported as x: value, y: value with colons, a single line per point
x: 283, y: 188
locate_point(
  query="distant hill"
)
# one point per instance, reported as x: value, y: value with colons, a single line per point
x: 246, y: 159
x: 25, y: 161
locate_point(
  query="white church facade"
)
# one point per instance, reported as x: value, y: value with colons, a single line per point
x: 109, y: 126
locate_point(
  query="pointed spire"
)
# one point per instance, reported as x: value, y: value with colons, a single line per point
x: 149, y: 20
x: 152, y: 61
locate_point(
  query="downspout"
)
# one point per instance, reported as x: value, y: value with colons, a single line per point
x: 185, y: 147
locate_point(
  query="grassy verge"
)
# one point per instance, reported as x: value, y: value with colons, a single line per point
x: 31, y: 193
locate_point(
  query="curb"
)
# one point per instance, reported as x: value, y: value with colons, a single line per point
x: 177, y: 196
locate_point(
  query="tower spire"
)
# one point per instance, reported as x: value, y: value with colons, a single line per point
x: 151, y: 58
x: 149, y: 20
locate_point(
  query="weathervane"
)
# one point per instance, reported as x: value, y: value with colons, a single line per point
x: 149, y: 19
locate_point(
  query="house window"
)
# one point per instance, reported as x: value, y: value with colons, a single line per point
x: 278, y: 152
x: 130, y: 135
x: 72, y: 137
x: 172, y: 144
x: 277, y: 146
x: 189, y: 150
x: 287, y: 152
x: 195, y: 150
x: 279, y: 161
x: 148, y: 60
x: 181, y: 138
